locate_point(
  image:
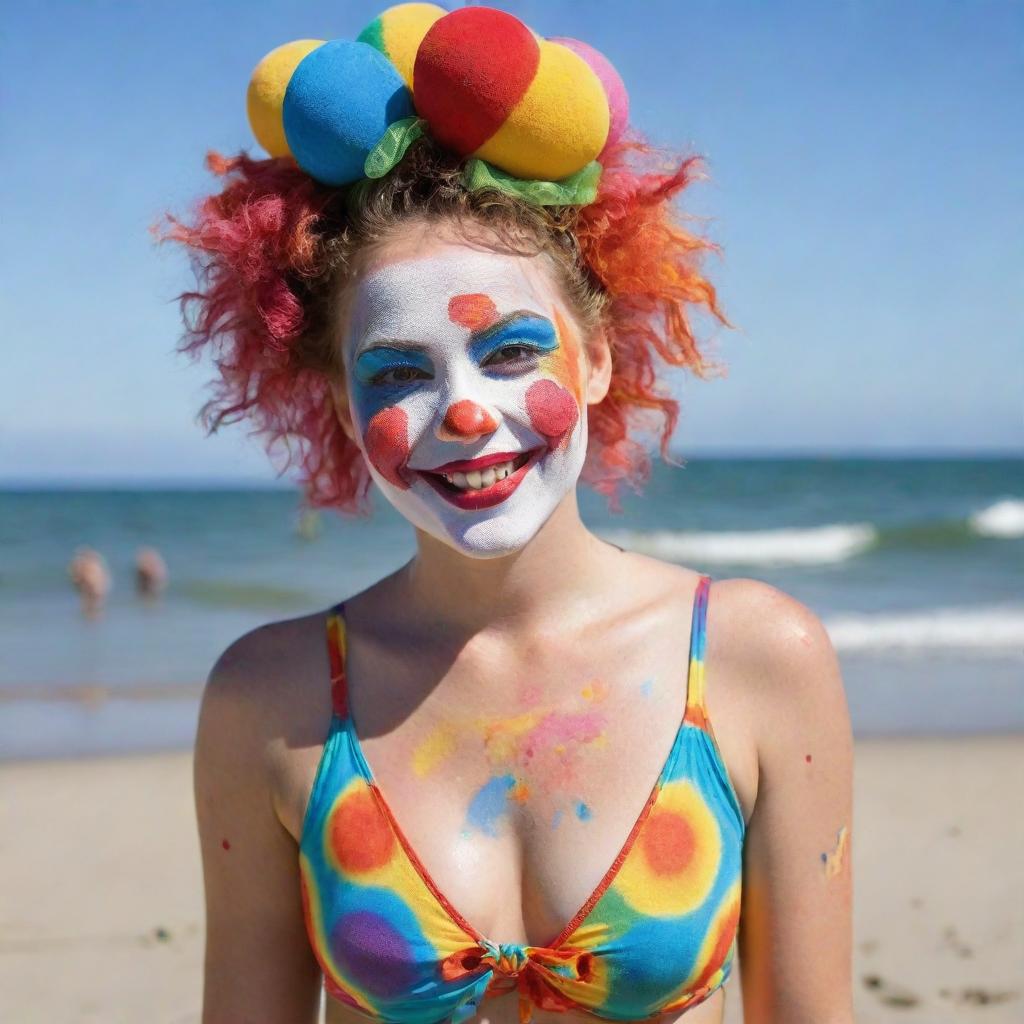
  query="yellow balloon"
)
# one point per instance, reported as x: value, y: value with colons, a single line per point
x: 398, y: 32
x: 265, y: 97
x: 559, y: 125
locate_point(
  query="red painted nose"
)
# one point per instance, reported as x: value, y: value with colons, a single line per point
x: 466, y: 421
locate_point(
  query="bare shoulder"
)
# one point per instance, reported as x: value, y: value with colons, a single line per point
x: 778, y: 652
x: 259, y: 676
x: 267, y: 695
x: 752, y: 626
x: 768, y: 629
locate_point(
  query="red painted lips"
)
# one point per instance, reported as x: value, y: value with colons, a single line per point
x: 485, y: 497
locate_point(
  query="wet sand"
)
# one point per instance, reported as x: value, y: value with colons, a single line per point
x: 101, y: 919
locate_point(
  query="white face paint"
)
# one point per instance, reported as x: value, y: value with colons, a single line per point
x: 465, y: 382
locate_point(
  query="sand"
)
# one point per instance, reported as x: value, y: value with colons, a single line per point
x: 101, y: 918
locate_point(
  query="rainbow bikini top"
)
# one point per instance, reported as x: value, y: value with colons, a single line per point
x: 656, y: 935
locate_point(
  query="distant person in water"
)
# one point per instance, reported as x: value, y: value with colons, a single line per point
x: 308, y: 524
x: 91, y: 578
x: 150, y: 572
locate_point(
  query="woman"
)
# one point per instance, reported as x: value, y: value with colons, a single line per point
x: 529, y: 774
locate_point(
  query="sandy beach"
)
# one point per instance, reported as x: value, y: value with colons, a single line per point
x: 102, y: 915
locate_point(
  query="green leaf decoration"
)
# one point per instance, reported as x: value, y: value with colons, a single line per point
x: 388, y: 152
x: 578, y: 189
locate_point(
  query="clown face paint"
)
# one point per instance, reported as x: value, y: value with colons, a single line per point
x: 464, y: 377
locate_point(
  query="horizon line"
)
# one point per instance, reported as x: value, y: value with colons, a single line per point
x: 222, y: 482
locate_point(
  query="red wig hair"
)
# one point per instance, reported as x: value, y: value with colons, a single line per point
x: 273, y: 247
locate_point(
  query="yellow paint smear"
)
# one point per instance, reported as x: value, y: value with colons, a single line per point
x: 433, y: 749
x: 501, y: 738
x: 834, y: 861
x: 596, y: 690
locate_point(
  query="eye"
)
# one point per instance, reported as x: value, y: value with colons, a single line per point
x: 399, y: 375
x: 511, y: 354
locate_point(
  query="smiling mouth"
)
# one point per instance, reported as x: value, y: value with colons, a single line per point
x: 487, y: 483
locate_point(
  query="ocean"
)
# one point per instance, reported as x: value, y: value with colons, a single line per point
x: 916, y: 566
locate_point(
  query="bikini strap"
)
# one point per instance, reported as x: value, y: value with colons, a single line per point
x: 336, y: 649
x: 696, y: 712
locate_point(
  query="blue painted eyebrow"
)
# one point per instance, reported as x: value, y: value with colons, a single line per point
x: 375, y: 360
x: 522, y: 328
x: 525, y: 328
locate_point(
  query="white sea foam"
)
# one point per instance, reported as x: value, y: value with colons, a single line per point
x: 813, y: 546
x: 1003, y: 519
x: 997, y: 630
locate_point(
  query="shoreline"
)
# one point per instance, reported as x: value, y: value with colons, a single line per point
x: 888, y: 698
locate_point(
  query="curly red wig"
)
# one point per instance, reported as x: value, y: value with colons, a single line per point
x: 273, y: 250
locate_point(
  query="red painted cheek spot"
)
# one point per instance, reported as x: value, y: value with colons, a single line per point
x: 553, y: 411
x: 467, y: 419
x: 225, y: 844
x: 387, y: 444
x: 475, y: 312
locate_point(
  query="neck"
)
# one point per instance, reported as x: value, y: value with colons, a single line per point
x: 563, y: 562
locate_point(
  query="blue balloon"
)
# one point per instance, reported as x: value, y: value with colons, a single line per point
x: 339, y: 102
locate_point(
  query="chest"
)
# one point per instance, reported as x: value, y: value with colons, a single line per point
x: 516, y: 775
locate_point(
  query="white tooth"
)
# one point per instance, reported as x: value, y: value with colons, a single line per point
x: 481, y: 478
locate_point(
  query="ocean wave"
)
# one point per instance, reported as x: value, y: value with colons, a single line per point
x: 1003, y: 519
x: 813, y: 546
x: 995, y: 630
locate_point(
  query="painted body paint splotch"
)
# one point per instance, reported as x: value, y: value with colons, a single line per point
x: 489, y: 805
x: 833, y: 861
x: 548, y: 744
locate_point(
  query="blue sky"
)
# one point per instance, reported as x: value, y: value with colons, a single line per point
x: 866, y: 166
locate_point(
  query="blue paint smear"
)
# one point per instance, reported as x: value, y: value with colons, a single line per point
x: 526, y: 329
x: 370, y: 397
x: 645, y: 687
x: 373, y: 361
x: 489, y: 803
x: 556, y: 818
x: 583, y: 812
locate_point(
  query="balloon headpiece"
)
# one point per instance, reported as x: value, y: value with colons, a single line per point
x: 528, y: 115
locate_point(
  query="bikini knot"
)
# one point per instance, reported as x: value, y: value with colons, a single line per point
x: 508, y: 958
x: 543, y: 977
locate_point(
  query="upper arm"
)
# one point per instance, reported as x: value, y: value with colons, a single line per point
x: 795, y: 935
x: 258, y: 963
